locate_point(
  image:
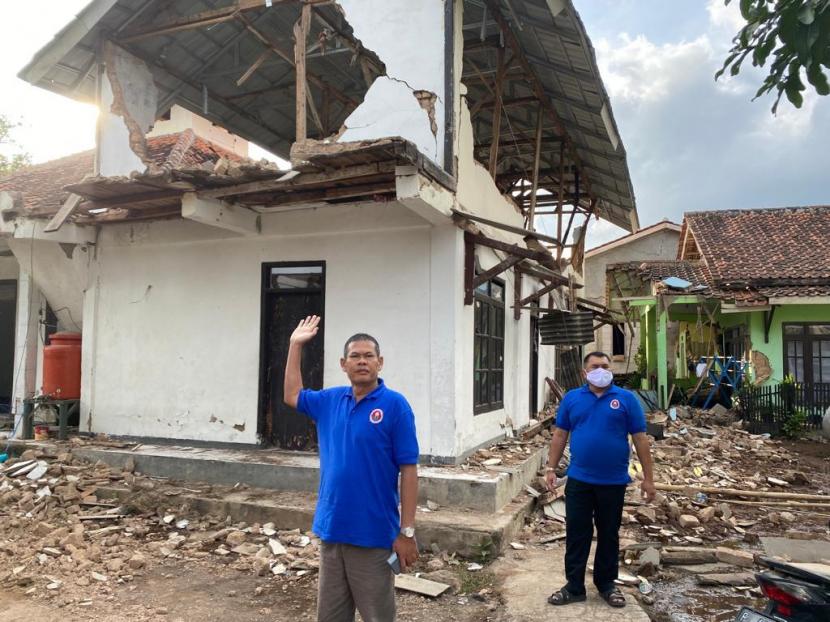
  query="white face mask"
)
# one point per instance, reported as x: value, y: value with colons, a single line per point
x: 600, y: 377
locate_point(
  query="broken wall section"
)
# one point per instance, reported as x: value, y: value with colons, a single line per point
x: 409, y: 100
x: 128, y: 99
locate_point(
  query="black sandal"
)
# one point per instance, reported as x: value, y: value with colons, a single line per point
x: 614, y: 598
x: 564, y: 597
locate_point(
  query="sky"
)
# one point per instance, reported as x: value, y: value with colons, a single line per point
x: 692, y: 143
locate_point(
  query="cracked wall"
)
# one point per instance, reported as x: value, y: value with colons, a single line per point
x: 127, y: 103
x: 409, y: 101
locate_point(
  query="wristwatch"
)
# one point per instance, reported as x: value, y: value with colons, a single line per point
x: 408, y: 532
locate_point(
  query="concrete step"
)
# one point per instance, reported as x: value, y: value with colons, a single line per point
x: 488, y: 490
x: 465, y: 532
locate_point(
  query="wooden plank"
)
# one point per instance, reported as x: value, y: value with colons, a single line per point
x: 425, y: 587
x: 469, y: 267
x: 326, y: 194
x: 250, y: 71
x: 535, y: 187
x: 513, y: 249
x: 300, y: 34
x: 301, y: 180
x: 500, y: 267
x: 505, y: 227
x: 539, y: 294
x: 497, y: 108
x: 517, y: 293
x: 69, y: 206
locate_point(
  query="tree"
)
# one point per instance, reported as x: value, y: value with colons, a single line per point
x: 17, y: 160
x: 797, y: 35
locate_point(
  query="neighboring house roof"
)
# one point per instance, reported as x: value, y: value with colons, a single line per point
x: 42, y: 185
x: 663, y: 225
x: 749, y: 256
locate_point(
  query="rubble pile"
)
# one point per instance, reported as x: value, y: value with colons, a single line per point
x: 65, y: 539
x: 721, y: 490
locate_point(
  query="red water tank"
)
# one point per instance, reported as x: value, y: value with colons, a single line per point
x: 62, y: 366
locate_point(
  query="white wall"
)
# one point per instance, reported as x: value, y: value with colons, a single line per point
x: 658, y: 245
x: 409, y: 38
x: 177, y: 330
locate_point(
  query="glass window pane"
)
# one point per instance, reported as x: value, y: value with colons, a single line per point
x: 793, y: 329
x: 483, y: 388
x: 484, y: 287
x: 477, y: 389
x: 821, y: 348
x: 296, y: 277
x: 825, y: 370
x: 496, y: 291
x: 799, y: 348
x: 797, y: 369
x: 820, y: 329
x: 485, y: 319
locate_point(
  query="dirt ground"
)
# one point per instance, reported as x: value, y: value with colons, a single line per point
x: 181, y: 592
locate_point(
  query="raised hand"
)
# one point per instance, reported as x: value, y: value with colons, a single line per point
x: 305, y: 330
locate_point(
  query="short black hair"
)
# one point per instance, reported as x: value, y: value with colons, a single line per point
x: 598, y: 354
x: 360, y: 337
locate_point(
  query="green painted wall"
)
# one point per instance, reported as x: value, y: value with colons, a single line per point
x: 774, y: 350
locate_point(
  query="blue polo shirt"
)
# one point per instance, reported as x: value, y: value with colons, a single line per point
x: 362, y: 447
x: 599, y: 429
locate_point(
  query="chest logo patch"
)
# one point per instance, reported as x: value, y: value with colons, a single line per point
x: 376, y: 416
x: 615, y: 404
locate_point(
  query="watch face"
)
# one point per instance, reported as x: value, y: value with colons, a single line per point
x: 408, y: 531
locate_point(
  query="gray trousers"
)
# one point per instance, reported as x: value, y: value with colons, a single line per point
x: 355, y: 576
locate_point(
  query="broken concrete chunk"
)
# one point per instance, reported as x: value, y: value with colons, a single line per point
x: 687, y: 521
x: 736, y: 557
x: 732, y: 578
x: 418, y: 585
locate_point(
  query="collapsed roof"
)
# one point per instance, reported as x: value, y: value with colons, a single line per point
x: 233, y: 62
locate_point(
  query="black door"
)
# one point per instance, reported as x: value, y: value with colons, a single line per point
x: 534, y: 365
x: 8, y: 309
x: 291, y: 291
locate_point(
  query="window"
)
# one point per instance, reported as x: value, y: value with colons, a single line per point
x: 301, y: 278
x: 807, y: 352
x: 618, y: 340
x: 488, y: 387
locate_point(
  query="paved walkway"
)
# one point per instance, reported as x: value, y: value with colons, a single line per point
x: 528, y: 577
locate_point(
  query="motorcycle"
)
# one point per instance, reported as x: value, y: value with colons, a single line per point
x: 795, y: 593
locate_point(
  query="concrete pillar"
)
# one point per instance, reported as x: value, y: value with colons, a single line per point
x: 25, y: 341
x: 445, y: 318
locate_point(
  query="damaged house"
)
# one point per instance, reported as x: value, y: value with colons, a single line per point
x: 749, y: 290
x: 446, y: 158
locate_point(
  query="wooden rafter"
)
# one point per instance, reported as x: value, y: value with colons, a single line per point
x: 538, y: 294
x: 504, y: 264
x: 531, y: 224
x: 204, y: 18
x: 493, y: 7
x: 497, y: 109
x: 300, y: 36
x: 504, y: 227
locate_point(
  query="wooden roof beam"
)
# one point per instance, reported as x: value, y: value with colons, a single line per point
x: 510, y: 39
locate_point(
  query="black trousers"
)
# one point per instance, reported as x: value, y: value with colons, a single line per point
x: 588, y: 505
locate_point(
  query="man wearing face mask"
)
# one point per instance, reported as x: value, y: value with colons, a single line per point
x: 598, y: 417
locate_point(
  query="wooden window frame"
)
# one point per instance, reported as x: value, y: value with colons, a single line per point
x: 807, y: 351
x: 496, y: 308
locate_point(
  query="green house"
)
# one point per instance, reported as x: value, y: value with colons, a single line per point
x: 753, y: 285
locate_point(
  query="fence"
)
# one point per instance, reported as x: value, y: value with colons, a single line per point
x: 767, y: 409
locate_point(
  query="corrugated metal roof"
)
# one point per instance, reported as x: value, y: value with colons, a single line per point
x: 558, y: 49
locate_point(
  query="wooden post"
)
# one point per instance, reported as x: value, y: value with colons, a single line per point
x: 469, y: 267
x: 494, y: 146
x: 537, y: 155
x: 517, y: 293
x: 300, y: 34
x: 561, y: 201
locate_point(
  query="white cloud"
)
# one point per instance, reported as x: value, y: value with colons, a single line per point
x: 725, y: 17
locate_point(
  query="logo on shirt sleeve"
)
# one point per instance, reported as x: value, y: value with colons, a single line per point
x: 376, y: 416
x: 615, y: 404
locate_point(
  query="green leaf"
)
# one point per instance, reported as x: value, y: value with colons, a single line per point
x: 807, y: 15
x: 746, y: 9
x: 762, y: 51
x: 817, y: 78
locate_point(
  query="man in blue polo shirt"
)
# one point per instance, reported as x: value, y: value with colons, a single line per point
x: 598, y: 417
x: 366, y: 434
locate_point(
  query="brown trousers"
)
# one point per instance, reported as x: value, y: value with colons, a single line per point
x: 355, y: 576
